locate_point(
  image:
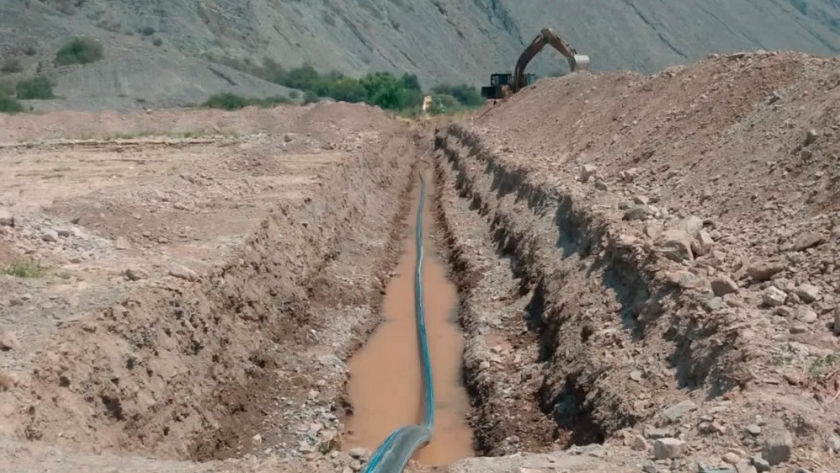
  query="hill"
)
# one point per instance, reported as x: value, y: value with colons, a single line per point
x: 163, y: 53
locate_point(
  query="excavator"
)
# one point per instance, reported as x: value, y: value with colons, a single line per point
x: 503, y: 85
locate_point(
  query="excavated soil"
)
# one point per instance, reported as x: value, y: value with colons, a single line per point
x: 647, y: 258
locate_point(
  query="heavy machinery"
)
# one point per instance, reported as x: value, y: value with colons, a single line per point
x: 503, y: 85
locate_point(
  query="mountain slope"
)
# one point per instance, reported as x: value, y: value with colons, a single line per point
x: 439, y: 40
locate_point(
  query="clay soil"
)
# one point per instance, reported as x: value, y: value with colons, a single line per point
x: 647, y: 268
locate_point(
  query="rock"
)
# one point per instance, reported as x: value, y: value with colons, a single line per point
x: 773, y: 297
x: 724, y: 285
x: 679, y: 278
x: 256, y: 439
x: 806, y: 314
x: 50, y: 236
x: 834, y: 443
x: 759, y: 463
x: 677, y: 411
x: 807, y: 240
x: 600, y: 184
x: 6, y: 218
x: 692, y: 224
x: 778, y: 447
x: 636, y: 213
x: 649, y: 467
x: 636, y: 375
x: 63, y: 232
x: 731, y: 458
x: 134, y: 273
x: 668, y: 448
x: 182, y: 272
x: 641, y: 200
x: 676, y: 245
x: 765, y: 271
x: 753, y: 429
x: 639, y: 443
x: 808, y: 292
x: 744, y: 467
x: 654, y: 434
x: 586, y: 172
x: 359, y: 453
x: 122, y: 243
x: 810, y: 137
x: 8, y: 341
x: 704, y: 243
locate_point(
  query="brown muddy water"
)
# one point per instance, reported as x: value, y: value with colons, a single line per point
x: 385, y: 382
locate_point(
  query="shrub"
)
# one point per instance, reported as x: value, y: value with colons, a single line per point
x: 226, y: 101
x: 37, y: 88
x: 157, y: 42
x: 79, y: 51
x: 465, y: 94
x: 230, y: 101
x: 310, y: 97
x: 9, y: 105
x: 147, y: 31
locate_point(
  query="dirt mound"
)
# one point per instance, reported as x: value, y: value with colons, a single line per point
x: 671, y: 242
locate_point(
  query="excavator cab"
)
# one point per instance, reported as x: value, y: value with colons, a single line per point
x: 500, y: 85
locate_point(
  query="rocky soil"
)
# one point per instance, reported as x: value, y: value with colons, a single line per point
x: 652, y: 262
x: 647, y: 268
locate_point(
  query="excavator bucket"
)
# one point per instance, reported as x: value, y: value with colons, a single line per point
x: 581, y: 62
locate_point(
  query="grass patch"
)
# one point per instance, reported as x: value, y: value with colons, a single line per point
x: 821, y: 367
x: 230, y: 101
x: 23, y: 269
x: 79, y: 51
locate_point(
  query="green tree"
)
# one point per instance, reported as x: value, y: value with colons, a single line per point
x: 303, y: 78
x: 384, y: 90
x: 411, y: 82
x: 348, y: 89
x: 9, y: 105
x: 465, y: 94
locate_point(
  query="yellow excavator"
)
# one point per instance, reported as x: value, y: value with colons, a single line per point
x: 503, y: 85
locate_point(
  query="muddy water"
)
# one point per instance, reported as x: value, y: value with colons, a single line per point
x: 385, y: 384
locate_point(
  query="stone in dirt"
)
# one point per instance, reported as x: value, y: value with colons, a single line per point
x: 773, y: 297
x: 765, y: 271
x: 8, y: 341
x: 122, y: 243
x: 837, y: 321
x: 807, y: 240
x: 808, y: 292
x: 182, y: 272
x: 778, y: 447
x: 760, y: 463
x: 587, y: 171
x: 676, y: 245
x: 134, y: 273
x: 50, y: 236
x: 668, y: 448
x: 678, y: 411
x: 724, y: 285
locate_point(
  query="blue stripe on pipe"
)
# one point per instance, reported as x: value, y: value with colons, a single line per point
x: 395, y: 451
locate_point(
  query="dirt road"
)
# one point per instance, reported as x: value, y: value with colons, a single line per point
x: 646, y: 266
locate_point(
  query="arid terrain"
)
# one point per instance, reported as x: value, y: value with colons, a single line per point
x: 647, y: 273
x: 167, y: 54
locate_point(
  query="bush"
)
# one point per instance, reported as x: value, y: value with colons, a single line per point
x: 465, y: 94
x: 147, y: 31
x: 9, y: 105
x: 157, y: 42
x: 37, y: 88
x: 309, y: 97
x: 229, y: 101
x: 78, y: 51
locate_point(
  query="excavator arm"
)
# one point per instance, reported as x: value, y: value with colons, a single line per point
x: 547, y: 36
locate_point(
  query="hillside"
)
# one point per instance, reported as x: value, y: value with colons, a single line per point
x: 160, y: 53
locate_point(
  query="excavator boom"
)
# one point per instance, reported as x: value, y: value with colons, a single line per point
x: 547, y: 36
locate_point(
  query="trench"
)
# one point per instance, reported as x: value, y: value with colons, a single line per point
x: 385, y: 386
